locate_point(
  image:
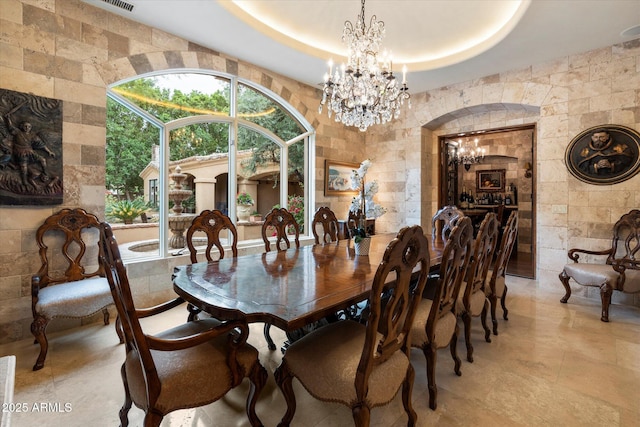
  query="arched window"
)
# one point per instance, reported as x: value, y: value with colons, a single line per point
x: 198, y: 140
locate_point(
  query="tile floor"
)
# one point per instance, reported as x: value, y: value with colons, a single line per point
x: 552, y: 365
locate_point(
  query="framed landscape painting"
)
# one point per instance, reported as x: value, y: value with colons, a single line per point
x: 337, y: 178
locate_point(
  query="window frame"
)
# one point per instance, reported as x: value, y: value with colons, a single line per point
x: 234, y: 122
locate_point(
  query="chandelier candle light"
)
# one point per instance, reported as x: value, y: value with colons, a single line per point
x: 365, y: 91
x: 467, y: 154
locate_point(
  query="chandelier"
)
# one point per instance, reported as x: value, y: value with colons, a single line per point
x: 467, y: 154
x: 364, y: 92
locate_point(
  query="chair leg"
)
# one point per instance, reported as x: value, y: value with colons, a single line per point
x: 267, y: 336
x: 258, y: 378
x: 124, y: 411
x: 38, y: 328
x: 605, y: 296
x: 407, y: 389
x: 567, y: 289
x: 493, y: 299
x: 119, y: 329
x: 503, y: 303
x: 105, y: 316
x: 361, y: 415
x: 466, y: 319
x: 483, y: 319
x: 284, y: 379
x: 431, y: 354
x: 453, y: 347
x: 151, y: 419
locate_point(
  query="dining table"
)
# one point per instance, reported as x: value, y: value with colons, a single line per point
x: 288, y: 289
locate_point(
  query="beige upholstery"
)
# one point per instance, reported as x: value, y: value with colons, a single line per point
x: 333, y: 382
x: 435, y: 325
x: 444, y: 328
x: 69, y: 282
x: 620, y: 271
x: 74, y: 299
x: 365, y: 365
x: 190, y: 365
x: 191, y: 377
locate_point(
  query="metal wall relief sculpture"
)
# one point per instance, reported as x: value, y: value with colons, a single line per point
x: 604, y: 155
x: 30, y: 149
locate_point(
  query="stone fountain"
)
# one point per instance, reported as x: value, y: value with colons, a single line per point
x: 178, y: 222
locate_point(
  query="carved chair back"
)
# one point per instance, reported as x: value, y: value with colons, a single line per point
x: 325, y: 218
x: 281, y: 221
x: 449, y: 215
x: 625, y: 244
x: 483, y: 250
x: 211, y: 223
x: 68, y: 232
x: 453, y: 270
x: 506, y: 247
x: 138, y: 344
x: 393, y: 303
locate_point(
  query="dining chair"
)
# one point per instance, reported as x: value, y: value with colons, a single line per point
x: 496, y: 287
x: 472, y: 300
x: 449, y: 215
x: 281, y: 223
x: 187, y: 366
x: 70, y: 282
x: 326, y: 219
x: 211, y: 223
x: 435, y: 325
x: 619, y: 271
x: 361, y: 365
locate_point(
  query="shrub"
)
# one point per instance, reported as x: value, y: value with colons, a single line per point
x: 125, y: 210
x: 244, y: 199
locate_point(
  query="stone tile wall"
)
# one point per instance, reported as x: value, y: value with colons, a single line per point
x: 71, y: 51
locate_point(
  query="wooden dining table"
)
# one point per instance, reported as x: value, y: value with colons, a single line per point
x: 288, y: 289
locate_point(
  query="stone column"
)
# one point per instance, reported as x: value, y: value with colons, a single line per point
x: 205, y: 193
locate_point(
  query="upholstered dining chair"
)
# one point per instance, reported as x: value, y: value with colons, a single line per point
x: 326, y: 219
x: 472, y: 300
x: 496, y: 286
x: 280, y: 222
x: 211, y: 223
x: 449, y: 215
x: 70, y: 282
x: 620, y: 271
x: 187, y: 366
x: 435, y: 325
x: 360, y: 365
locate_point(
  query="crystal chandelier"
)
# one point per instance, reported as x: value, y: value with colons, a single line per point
x: 364, y: 92
x: 467, y: 154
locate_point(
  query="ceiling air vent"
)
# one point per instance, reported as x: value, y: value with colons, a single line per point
x: 121, y: 4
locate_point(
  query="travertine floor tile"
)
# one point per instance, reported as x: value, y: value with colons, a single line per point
x: 551, y: 364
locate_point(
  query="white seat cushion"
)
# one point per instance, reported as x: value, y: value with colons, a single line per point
x: 326, y: 362
x: 444, y: 329
x: 74, y: 299
x: 500, y: 285
x: 587, y: 274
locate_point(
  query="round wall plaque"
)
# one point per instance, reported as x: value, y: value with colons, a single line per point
x: 603, y: 155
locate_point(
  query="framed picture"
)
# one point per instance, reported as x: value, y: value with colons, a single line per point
x: 491, y: 180
x: 337, y: 178
x: 603, y: 155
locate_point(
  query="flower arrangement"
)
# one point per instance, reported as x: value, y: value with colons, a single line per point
x: 364, y: 200
x: 125, y: 210
x: 244, y: 199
